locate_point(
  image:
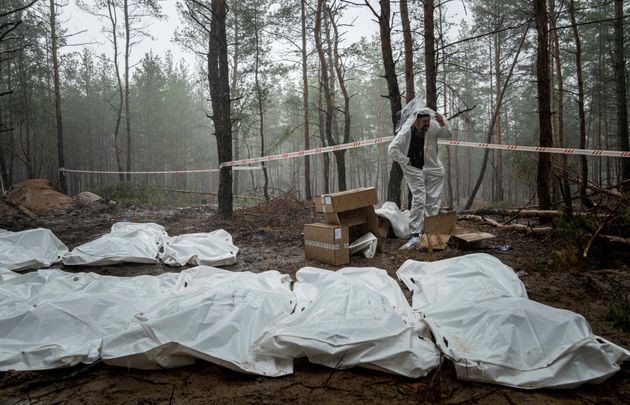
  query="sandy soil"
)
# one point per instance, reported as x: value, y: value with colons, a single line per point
x: 270, y: 237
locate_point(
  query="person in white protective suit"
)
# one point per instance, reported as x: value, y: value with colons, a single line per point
x: 415, y: 148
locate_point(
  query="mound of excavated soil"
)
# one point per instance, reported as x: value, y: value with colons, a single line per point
x: 38, y: 195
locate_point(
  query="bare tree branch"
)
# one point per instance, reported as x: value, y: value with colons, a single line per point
x: 18, y: 9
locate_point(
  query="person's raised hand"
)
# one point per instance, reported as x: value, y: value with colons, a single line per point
x: 440, y: 119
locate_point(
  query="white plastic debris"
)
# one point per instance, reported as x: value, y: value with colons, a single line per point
x: 33, y: 248
x: 398, y: 220
x: 52, y: 319
x: 352, y: 317
x: 366, y: 244
x: 209, y: 249
x: 481, y: 318
x: 127, y: 242
x: 6, y: 275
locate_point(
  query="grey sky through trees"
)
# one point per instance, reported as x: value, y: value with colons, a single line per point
x: 163, y: 31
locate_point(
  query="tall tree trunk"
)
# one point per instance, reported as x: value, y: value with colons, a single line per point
x: 5, y: 151
x: 233, y: 82
x: 498, y: 158
x: 493, y: 85
x: 325, y: 157
x: 53, y: 42
x: 602, y: 80
x: 337, y: 63
x: 261, y: 114
x: 564, y: 177
x: 429, y: 55
x: 410, y: 92
x: 544, y: 106
x: 126, y: 75
x: 26, y: 111
x: 605, y: 140
x: 497, y: 110
x: 218, y: 79
x: 111, y: 8
x: 619, y: 65
x: 4, y: 171
x: 393, y: 91
x: 307, y: 141
x: 447, y: 151
x: 607, y: 146
x: 581, y: 114
x: 325, y: 79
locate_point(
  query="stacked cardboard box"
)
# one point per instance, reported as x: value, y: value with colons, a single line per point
x: 349, y: 214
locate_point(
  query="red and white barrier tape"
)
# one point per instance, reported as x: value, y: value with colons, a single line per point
x: 359, y: 144
x: 156, y: 172
x: 375, y: 141
x: 539, y: 149
x: 316, y: 151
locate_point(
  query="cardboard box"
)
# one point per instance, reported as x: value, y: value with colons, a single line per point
x: 327, y: 243
x: 346, y: 200
x: 358, y: 216
x: 439, y: 229
x: 470, y: 236
x: 350, y: 208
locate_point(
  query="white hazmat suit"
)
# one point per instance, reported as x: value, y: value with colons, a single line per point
x: 426, y: 184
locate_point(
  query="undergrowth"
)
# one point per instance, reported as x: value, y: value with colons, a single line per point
x: 575, y: 234
x: 147, y: 194
x: 600, y: 235
x: 131, y: 193
x: 619, y: 310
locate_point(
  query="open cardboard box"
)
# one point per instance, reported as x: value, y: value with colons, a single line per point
x: 439, y: 229
x: 358, y: 216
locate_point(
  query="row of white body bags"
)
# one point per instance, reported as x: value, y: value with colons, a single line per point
x: 147, y: 243
x: 481, y: 318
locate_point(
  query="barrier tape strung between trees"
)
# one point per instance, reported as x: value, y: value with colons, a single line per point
x: 375, y: 141
x: 540, y: 149
x: 316, y: 151
x: 155, y: 172
x: 367, y: 142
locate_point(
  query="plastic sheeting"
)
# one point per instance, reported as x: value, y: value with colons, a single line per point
x: 366, y: 244
x: 481, y: 319
x: 7, y: 275
x: 33, y: 248
x: 352, y: 317
x: 127, y: 242
x: 51, y: 319
x: 398, y: 220
x: 210, y: 249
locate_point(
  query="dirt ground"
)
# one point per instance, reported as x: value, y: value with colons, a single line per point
x: 270, y: 238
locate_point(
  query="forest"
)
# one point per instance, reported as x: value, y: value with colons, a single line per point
x: 173, y: 260
x: 278, y: 76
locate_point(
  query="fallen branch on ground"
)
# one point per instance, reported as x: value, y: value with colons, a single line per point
x: 524, y: 213
x: 617, y: 239
x: 512, y: 227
